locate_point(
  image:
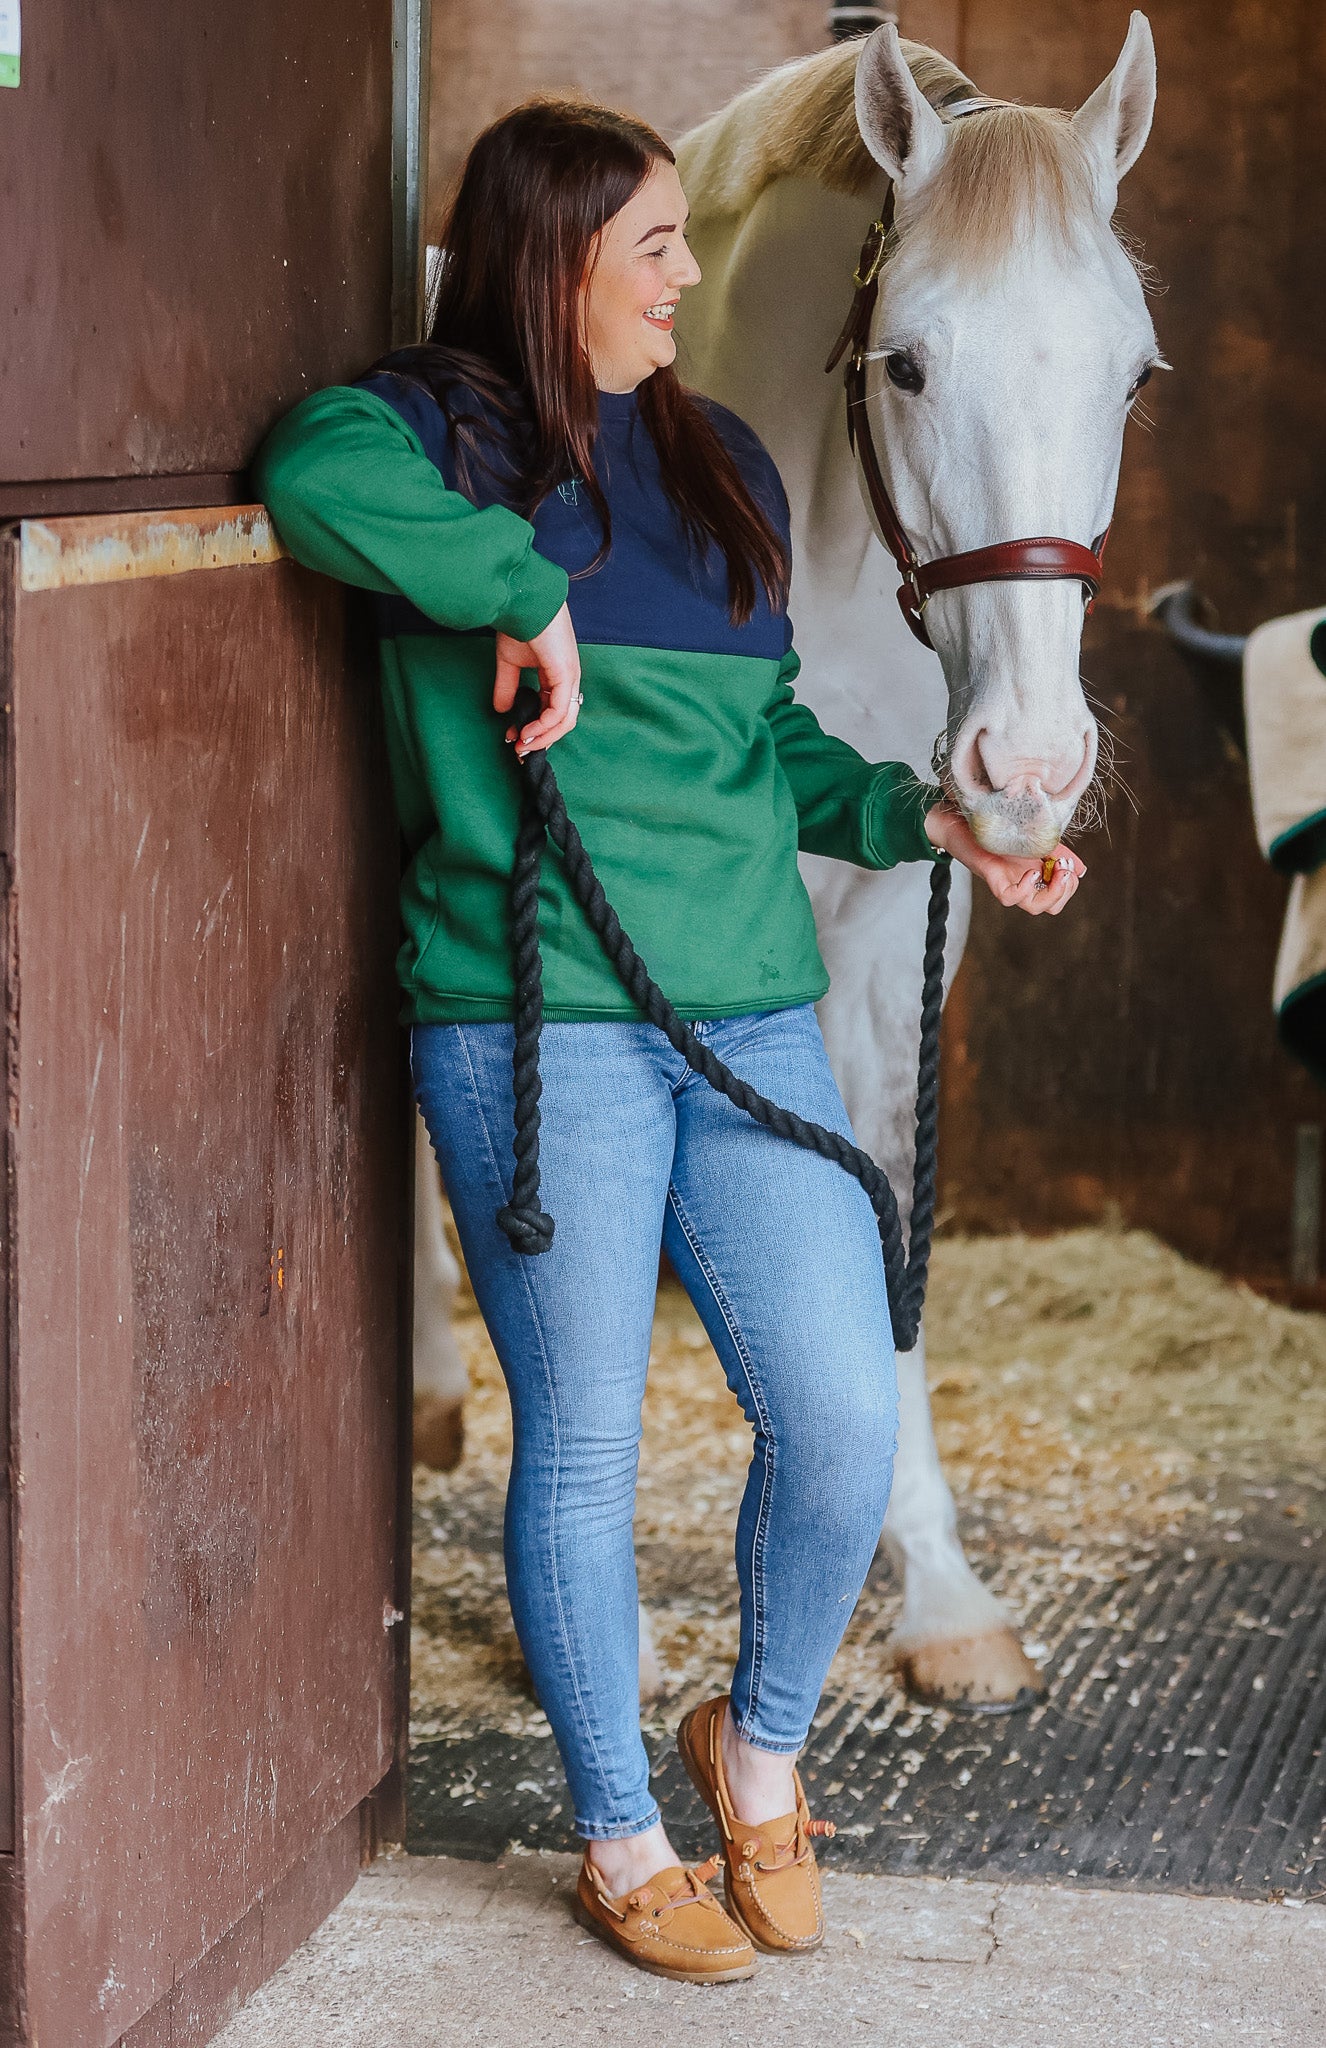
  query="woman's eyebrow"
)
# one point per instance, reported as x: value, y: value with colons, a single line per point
x: 667, y: 227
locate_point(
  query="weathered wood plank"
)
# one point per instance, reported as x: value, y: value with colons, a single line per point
x: 211, y: 1159
x: 196, y: 220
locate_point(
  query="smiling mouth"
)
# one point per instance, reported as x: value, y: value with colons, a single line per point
x: 661, y: 316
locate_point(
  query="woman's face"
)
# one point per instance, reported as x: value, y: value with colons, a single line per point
x: 640, y: 268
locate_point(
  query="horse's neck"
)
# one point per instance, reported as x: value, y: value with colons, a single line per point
x: 755, y: 335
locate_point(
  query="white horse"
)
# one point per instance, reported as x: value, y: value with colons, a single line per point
x: 1010, y: 337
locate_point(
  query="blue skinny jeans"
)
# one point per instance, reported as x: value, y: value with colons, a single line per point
x: 778, y: 1250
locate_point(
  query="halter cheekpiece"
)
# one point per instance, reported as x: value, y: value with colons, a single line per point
x: 1042, y: 558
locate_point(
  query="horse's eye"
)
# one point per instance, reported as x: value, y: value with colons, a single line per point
x: 1142, y: 377
x: 904, y: 372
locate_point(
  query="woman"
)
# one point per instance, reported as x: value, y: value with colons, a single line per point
x: 533, y: 494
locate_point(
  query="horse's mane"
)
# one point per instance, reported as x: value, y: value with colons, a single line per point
x: 1003, y: 166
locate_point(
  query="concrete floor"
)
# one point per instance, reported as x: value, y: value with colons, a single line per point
x: 427, y: 1951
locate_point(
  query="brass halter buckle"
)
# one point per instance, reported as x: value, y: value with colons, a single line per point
x: 871, y: 260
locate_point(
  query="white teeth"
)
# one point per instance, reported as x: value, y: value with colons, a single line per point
x: 660, y: 312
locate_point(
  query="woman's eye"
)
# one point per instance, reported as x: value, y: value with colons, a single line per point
x: 903, y: 371
x: 1142, y: 377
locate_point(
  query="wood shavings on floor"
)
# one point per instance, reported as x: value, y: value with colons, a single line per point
x: 1094, y: 1394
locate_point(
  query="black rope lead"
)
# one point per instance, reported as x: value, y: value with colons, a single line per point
x: 543, y: 815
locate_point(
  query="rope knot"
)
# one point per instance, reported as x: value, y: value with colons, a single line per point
x: 528, y: 1230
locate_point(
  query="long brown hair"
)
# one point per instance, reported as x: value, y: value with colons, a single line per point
x: 518, y: 246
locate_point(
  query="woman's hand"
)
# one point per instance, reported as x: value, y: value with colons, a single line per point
x: 556, y: 656
x: 1012, y: 879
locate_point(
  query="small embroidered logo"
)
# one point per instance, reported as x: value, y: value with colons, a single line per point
x: 567, y: 492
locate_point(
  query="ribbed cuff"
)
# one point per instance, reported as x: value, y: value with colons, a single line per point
x: 536, y: 592
x: 899, y: 803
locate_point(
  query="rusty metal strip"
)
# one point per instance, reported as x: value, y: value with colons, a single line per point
x: 121, y: 547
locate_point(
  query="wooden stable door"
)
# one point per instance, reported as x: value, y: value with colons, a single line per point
x: 204, y: 1300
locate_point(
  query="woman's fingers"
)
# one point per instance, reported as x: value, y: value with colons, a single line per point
x: 507, y: 681
x: 1049, y: 898
x: 560, y: 693
x: 1020, y: 884
x: 1013, y: 880
x: 555, y: 656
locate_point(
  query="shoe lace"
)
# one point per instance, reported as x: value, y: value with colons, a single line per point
x: 796, y: 1850
x: 691, y: 1891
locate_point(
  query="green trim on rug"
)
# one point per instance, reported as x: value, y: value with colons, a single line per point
x: 1302, y: 848
x: 1301, y: 1020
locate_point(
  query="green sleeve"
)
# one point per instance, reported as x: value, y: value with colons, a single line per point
x: 353, y: 494
x: 848, y: 807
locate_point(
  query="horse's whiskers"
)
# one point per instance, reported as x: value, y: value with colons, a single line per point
x: 1108, y: 781
x: 1092, y: 806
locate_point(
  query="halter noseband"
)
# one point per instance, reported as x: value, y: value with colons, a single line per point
x: 1007, y: 561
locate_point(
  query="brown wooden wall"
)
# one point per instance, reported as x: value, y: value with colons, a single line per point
x: 195, y: 220
x: 673, y: 61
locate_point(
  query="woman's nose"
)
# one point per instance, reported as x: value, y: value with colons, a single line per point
x: 688, y: 270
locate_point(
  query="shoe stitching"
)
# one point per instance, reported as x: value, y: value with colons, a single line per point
x: 657, y: 1940
x: 661, y: 1940
x: 797, y: 1940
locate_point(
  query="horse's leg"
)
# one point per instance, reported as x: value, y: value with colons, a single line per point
x: 955, y: 1643
x: 441, y: 1380
x: 651, y: 1671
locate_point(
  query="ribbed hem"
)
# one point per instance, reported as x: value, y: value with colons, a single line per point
x: 427, y: 1006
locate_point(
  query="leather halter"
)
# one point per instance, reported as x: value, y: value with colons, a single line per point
x: 1006, y: 561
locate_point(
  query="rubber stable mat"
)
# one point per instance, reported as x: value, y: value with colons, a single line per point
x: 1180, y: 1748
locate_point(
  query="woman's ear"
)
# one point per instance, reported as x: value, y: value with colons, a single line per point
x: 898, y: 125
x: 1114, y: 123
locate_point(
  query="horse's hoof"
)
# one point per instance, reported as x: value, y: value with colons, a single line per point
x: 439, y: 1432
x: 985, y: 1674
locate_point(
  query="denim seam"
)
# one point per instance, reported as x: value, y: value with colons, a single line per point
x: 557, y: 1447
x: 724, y: 1308
x: 734, y: 1042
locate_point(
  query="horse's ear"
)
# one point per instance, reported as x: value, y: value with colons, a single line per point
x: 898, y: 125
x: 1115, y: 122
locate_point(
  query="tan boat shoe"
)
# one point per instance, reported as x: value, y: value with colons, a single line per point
x: 772, y: 1880
x: 673, y: 1926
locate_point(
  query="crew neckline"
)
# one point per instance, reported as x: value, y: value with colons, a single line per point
x: 618, y: 405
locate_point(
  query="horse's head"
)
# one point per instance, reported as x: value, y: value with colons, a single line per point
x: 1009, y: 341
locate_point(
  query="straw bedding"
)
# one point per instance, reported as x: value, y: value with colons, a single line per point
x: 1095, y: 1395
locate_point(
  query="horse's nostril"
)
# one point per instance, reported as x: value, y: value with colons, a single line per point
x: 1055, y: 770
x: 968, y: 764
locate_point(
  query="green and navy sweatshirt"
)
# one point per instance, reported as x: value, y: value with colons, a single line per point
x: 693, y: 774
